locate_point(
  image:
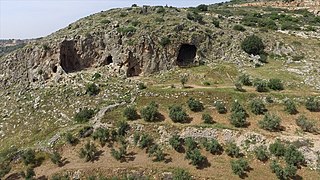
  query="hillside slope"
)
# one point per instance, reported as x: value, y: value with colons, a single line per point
x: 151, y: 92
x: 144, y: 40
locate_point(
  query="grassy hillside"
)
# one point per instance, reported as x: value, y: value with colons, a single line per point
x: 83, y: 119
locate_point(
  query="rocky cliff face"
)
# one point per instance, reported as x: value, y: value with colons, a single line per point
x: 132, y: 42
x: 110, y: 39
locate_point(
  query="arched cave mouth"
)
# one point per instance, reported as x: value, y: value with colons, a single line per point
x: 186, y: 55
x: 109, y: 60
x: 134, y: 67
x: 54, y: 69
x: 69, y: 59
x: 134, y: 71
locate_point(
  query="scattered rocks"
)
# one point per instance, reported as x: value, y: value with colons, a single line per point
x: 164, y: 135
x: 209, y: 133
x: 54, y: 139
x: 250, y: 140
x: 77, y: 175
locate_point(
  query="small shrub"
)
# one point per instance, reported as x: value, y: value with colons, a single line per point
x: 238, y: 86
x: 175, y: 142
x: 239, y: 167
x: 177, y: 114
x: 135, y: 23
x: 238, y: 27
x: 159, y: 20
x: 142, y: 86
x: 123, y: 14
x: 297, y: 58
x: 195, y: 105
x: 161, y: 9
x: 56, y: 158
x: 127, y: 30
x: 29, y: 157
x: 84, y: 115
x: 60, y: 177
x: 102, y: 135
x: 268, y: 23
x: 261, y: 85
x: 29, y: 173
x: 238, y: 115
x: 216, y: 22
x: 206, y: 83
x: 70, y: 138
x: 115, y: 154
x: 165, y: 41
x: 5, y: 168
x: 150, y: 113
x: 190, y: 143
x: 181, y: 174
x: 283, y: 173
x: 145, y: 141
x: 207, y: 118
x: 277, y: 148
x: 290, y: 171
x: 195, y: 156
x: 196, y: 17
x: 252, y: 45
x: 105, y: 21
x: 156, y: 152
x: 88, y: 152
x: 269, y: 99
x: 245, y: 80
x: 130, y: 113
x: 92, y: 89
x: 120, y: 154
x: 289, y: 26
x: 184, y: 80
x: 45, y: 47
x: 233, y: 150
x: 270, y: 122
x: 122, y: 128
x: 261, y: 153
x: 96, y: 76
x: 312, y: 104
x: 257, y: 107
x: 290, y: 107
x: 202, y: 7
x: 305, y: 124
x: 238, y: 119
x: 213, y: 146
x: 221, y: 108
x: 275, y: 84
x: 237, y: 107
x: 293, y: 157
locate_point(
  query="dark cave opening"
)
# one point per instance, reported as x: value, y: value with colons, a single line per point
x: 134, y: 71
x: 186, y: 55
x: 54, y: 69
x: 69, y: 59
x: 109, y: 60
x: 134, y: 67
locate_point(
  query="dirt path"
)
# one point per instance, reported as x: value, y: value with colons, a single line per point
x: 250, y: 89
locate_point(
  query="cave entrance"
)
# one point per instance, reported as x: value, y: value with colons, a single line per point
x: 54, y: 69
x: 186, y: 55
x: 134, y: 71
x: 69, y: 59
x: 109, y: 60
x: 134, y: 68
